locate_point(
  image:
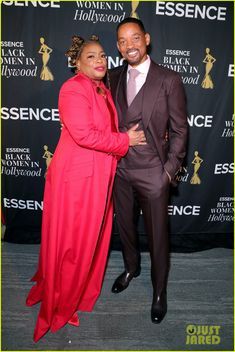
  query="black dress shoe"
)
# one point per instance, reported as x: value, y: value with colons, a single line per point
x: 159, y: 308
x: 122, y: 282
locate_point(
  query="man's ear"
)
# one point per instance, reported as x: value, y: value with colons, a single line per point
x: 118, y: 46
x: 147, y: 39
x: 78, y: 64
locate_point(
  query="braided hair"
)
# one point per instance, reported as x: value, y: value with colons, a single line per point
x: 78, y: 44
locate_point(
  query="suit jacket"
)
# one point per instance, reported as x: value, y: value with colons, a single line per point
x: 164, y: 112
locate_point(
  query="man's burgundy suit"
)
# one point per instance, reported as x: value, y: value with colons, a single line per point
x: 160, y: 109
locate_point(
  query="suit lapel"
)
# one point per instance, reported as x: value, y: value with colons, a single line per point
x: 120, y: 94
x: 151, y: 91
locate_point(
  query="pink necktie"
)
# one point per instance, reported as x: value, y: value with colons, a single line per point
x: 131, y: 85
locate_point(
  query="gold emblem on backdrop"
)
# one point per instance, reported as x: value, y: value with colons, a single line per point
x: 195, y: 180
x: 134, y: 5
x: 48, y: 156
x: 209, y: 60
x: 45, y: 51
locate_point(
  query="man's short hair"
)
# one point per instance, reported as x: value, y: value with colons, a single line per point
x: 132, y: 20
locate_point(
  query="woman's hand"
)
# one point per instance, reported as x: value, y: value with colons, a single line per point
x: 136, y: 137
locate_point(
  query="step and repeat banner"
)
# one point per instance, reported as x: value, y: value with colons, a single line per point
x: 192, y: 38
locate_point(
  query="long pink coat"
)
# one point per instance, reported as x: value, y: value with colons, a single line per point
x: 78, y: 212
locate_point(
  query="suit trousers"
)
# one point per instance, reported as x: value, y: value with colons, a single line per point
x: 150, y: 186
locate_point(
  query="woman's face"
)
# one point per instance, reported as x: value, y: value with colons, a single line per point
x: 92, y: 61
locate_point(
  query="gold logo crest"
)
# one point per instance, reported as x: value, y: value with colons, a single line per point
x: 134, y: 5
x: 209, y: 61
x: 48, y: 156
x: 45, y: 51
x: 195, y: 180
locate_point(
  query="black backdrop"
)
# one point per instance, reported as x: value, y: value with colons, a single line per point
x: 193, y: 38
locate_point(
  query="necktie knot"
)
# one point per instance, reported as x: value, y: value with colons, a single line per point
x: 131, y: 85
x: 133, y: 73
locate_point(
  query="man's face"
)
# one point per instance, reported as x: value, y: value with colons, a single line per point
x: 132, y: 43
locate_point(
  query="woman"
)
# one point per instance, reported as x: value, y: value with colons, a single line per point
x: 78, y: 211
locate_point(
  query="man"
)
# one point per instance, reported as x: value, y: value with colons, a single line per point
x: 154, y: 98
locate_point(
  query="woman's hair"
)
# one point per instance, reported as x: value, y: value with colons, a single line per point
x: 78, y: 44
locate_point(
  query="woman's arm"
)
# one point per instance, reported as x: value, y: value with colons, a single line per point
x: 76, y: 114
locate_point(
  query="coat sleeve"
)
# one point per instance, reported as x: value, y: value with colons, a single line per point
x: 178, y: 127
x: 76, y: 115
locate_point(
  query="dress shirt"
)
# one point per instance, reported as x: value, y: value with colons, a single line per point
x: 143, y: 69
